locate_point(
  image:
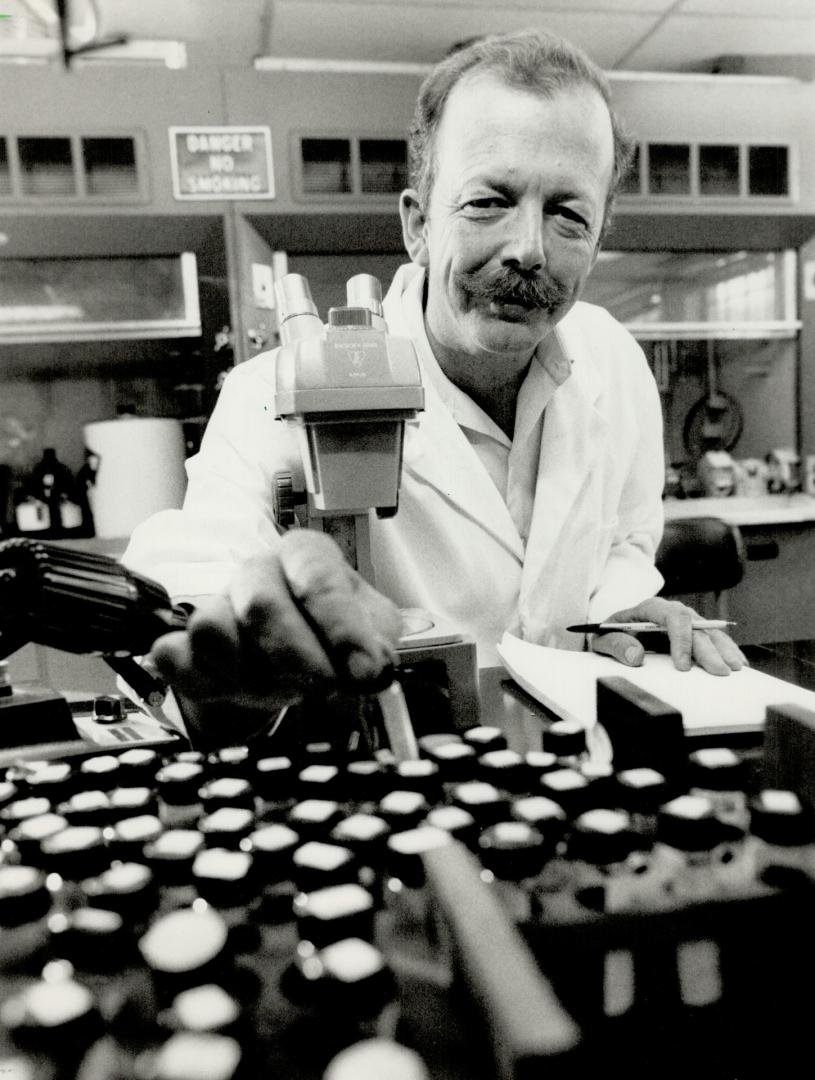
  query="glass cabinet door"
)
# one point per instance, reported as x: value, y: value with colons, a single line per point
x: 91, y: 299
x: 734, y: 294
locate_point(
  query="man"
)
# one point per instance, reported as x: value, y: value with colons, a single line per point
x: 531, y: 492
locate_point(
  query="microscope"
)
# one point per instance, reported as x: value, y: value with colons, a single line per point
x: 347, y: 389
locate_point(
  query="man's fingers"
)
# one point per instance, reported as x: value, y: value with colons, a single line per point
x: 679, y: 624
x: 706, y: 655
x: 717, y: 653
x: 728, y: 650
x: 356, y: 625
x: 203, y: 657
x: 276, y: 636
x: 311, y: 616
x: 173, y: 655
x: 622, y: 647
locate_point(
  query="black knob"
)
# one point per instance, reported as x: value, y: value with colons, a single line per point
x: 109, y: 709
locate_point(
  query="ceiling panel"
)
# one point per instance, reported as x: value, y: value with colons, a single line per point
x: 427, y: 6
x: 683, y: 42
x: 337, y: 30
x: 215, y: 21
x: 751, y: 9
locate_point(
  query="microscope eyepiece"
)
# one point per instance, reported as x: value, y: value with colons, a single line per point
x: 364, y: 290
x: 297, y: 311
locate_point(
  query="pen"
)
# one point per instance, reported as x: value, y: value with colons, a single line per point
x: 644, y: 627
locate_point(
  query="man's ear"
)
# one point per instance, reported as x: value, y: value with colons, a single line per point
x: 413, y: 227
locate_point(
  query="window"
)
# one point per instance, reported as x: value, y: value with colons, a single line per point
x: 669, y: 169
x: 72, y: 168
x: 383, y: 165
x: 768, y: 170
x: 701, y: 171
x: 110, y: 166
x: 718, y: 170
x: 46, y: 166
x: 354, y: 165
x: 326, y: 166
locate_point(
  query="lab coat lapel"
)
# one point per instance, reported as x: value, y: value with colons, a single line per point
x: 574, y: 433
x: 438, y: 453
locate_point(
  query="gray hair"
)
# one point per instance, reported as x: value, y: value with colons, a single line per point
x: 533, y: 60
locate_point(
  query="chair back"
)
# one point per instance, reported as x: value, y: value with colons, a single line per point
x: 700, y: 555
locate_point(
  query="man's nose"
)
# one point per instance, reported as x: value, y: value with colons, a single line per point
x: 524, y: 249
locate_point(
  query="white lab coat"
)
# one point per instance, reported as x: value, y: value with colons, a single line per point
x: 453, y: 548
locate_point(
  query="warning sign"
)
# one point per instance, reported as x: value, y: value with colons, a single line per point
x: 222, y: 162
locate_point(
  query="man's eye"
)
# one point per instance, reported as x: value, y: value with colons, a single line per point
x: 488, y: 202
x: 570, y: 215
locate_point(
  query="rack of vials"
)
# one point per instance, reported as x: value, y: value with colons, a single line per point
x: 481, y: 912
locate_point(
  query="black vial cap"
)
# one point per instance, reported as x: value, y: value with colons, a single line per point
x: 778, y: 817
x: 227, y: 791
x: 274, y: 778
x: 564, y: 738
x: 484, y: 801
x: 314, y: 818
x: 406, y: 850
x: 224, y: 877
x: 170, y: 856
x: 336, y: 912
x: 456, y: 821
x: 316, y: 865
x: 602, y: 837
x: 642, y: 790
x: 716, y: 768
x: 23, y: 895
x: 689, y: 824
x: 365, y: 834
x: 272, y: 847
x: 77, y: 852
x: 484, y: 738
x: 403, y: 809
x: 506, y: 769
x: 227, y: 826
x: 512, y: 850
x: 457, y: 761
x: 126, y: 888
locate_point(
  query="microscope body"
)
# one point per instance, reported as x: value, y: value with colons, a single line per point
x: 347, y: 392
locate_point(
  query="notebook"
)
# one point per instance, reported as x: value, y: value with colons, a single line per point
x: 565, y: 682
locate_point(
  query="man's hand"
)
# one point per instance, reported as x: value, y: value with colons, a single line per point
x: 296, y: 620
x: 713, y: 650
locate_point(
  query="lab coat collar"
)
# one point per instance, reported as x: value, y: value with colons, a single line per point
x: 439, y: 453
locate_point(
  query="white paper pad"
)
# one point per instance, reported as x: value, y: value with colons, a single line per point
x: 566, y: 683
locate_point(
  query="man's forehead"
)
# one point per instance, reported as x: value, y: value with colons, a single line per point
x: 479, y: 110
x: 486, y: 83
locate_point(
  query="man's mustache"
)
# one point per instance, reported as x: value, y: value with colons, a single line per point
x: 508, y: 286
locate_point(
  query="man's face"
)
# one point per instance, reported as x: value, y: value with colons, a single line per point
x: 515, y: 215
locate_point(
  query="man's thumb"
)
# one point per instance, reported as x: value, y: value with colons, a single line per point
x: 622, y: 647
